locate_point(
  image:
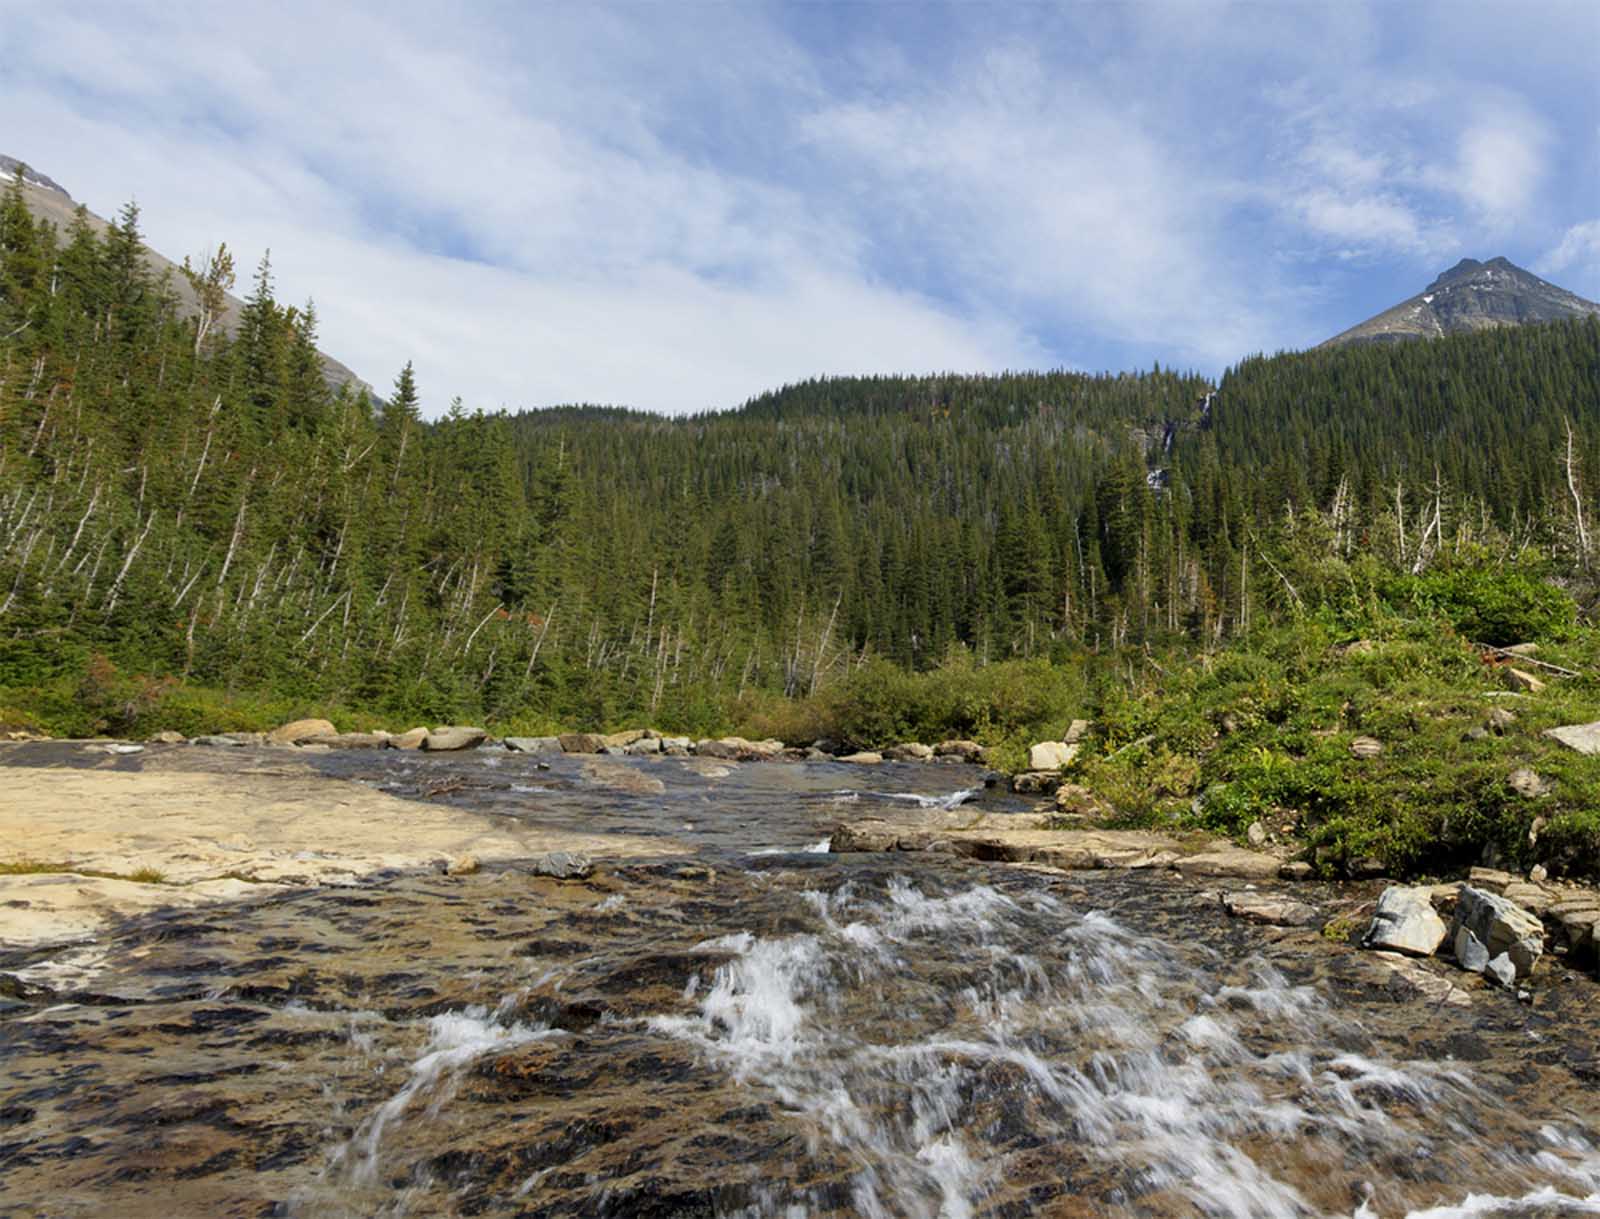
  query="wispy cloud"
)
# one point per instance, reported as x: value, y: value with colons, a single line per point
x: 678, y: 206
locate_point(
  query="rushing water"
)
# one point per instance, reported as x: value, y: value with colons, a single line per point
x: 762, y: 1030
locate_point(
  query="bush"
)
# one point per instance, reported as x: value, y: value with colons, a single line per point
x: 1488, y: 605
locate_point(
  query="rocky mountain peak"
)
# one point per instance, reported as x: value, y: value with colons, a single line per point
x: 1470, y: 296
x: 10, y: 165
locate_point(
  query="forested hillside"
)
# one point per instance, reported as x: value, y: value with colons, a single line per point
x: 180, y: 505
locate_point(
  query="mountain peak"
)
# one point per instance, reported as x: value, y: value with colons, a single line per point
x: 10, y: 165
x: 1470, y: 296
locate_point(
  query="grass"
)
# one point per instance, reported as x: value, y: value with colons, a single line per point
x: 35, y: 867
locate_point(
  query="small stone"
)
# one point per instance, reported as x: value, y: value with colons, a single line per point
x: 462, y: 865
x: 563, y: 865
x: 1256, y: 835
x: 1538, y: 874
x: 1521, y: 679
x: 1405, y: 921
x: 1471, y: 955
x: 1501, y: 719
x: 1527, y: 784
x: 1502, y: 970
x: 1366, y: 747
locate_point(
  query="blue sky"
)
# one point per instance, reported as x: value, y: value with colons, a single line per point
x: 677, y: 205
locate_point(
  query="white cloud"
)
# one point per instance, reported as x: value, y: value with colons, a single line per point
x: 1578, y: 249
x: 1502, y: 163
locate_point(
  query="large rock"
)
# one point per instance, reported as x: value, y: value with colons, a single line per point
x: 581, y: 742
x: 644, y: 746
x: 621, y: 740
x: 967, y: 751
x: 1405, y: 921
x: 864, y: 758
x: 737, y: 749
x: 353, y: 740
x: 411, y: 738
x: 449, y: 739
x: 1225, y: 859
x: 910, y: 751
x: 1585, y: 738
x: 563, y: 865
x: 1051, y: 755
x: 168, y: 737
x: 533, y: 744
x: 1501, y: 926
x: 296, y: 731
x: 1273, y: 909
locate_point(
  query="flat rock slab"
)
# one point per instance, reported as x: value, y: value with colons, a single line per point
x: 226, y: 836
x: 1272, y: 909
x: 1585, y: 738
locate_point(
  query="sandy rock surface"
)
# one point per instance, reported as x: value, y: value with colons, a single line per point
x: 227, y: 836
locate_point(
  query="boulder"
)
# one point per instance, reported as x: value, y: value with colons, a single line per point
x: 643, y: 746
x: 1471, y: 955
x: 1521, y: 679
x: 865, y: 758
x: 621, y: 740
x: 1272, y: 909
x: 168, y: 737
x: 1502, y: 970
x: 353, y: 740
x: 1501, y: 925
x: 1405, y: 921
x: 448, y: 739
x: 910, y: 751
x: 1051, y: 755
x: 563, y: 865
x: 1580, y: 925
x: 966, y: 751
x: 221, y: 740
x: 1585, y: 738
x: 581, y: 742
x: 412, y: 738
x: 677, y: 746
x: 1036, y: 782
x: 737, y: 749
x: 533, y: 744
x: 296, y: 731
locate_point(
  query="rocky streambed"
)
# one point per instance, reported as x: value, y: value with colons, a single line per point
x: 720, y: 1018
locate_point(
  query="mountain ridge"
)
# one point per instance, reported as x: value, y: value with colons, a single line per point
x: 1469, y: 296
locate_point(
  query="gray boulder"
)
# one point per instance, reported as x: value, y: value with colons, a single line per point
x: 582, y: 742
x: 1502, y: 970
x: 1405, y: 921
x: 563, y: 865
x: 643, y: 746
x: 1471, y: 955
x: 1503, y: 927
x: 533, y: 744
x: 449, y: 739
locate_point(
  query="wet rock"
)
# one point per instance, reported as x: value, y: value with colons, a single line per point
x: 909, y: 751
x: 966, y: 751
x: 864, y: 836
x: 1501, y: 925
x: 412, y: 738
x: 1521, y: 679
x: 643, y: 747
x: 534, y: 744
x: 1471, y: 955
x: 219, y: 740
x: 1272, y: 909
x: 623, y: 778
x: 462, y: 865
x: 296, y: 731
x: 563, y: 865
x: 1405, y: 921
x: 1501, y: 970
x: 113, y: 747
x: 168, y: 737
x: 1051, y: 755
x: 354, y: 740
x: 1035, y: 782
x: 581, y: 742
x: 1229, y: 860
x: 451, y: 739
x: 1366, y: 747
x: 865, y: 758
x: 1585, y: 738
x: 1428, y: 985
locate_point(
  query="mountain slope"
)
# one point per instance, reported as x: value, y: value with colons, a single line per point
x: 1470, y: 296
x: 49, y: 200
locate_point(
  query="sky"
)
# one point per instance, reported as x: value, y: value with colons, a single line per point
x: 678, y: 205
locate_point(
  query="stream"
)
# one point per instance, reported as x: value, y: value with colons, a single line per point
x: 759, y: 1028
